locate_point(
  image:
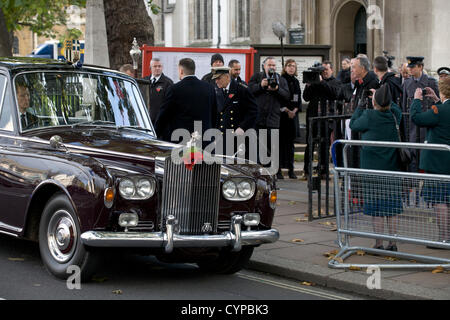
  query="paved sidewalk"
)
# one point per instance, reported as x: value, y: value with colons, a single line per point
x: 300, y: 254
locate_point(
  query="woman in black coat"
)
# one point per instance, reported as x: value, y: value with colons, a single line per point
x: 288, y: 129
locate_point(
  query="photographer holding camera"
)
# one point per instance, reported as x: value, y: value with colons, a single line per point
x: 272, y: 93
x: 321, y: 87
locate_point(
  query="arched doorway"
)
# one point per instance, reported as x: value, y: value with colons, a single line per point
x: 350, y: 31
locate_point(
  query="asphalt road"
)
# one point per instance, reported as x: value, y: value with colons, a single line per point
x: 23, y: 277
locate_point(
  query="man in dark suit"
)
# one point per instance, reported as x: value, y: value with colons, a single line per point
x: 235, y: 71
x: 159, y: 84
x: 27, y: 119
x: 185, y: 102
x: 236, y: 106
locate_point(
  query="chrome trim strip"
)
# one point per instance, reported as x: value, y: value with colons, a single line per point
x: 9, y: 234
x: 78, y: 148
x: 2, y: 97
x: 158, y: 239
x: 11, y: 228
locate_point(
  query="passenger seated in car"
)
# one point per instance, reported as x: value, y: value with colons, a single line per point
x: 27, y: 119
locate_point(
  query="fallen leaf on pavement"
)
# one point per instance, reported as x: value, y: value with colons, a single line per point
x: 99, y: 280
x: 117, y: 291
x: 331, y: 253
x: 360, y: 253
x: 292, y: 203
x: 297, y: 240
x: 353, y: 268
x: 391, y: 259
x: 438, y: 270
x: 306, y: 283
x: 301, y: 220
x: 16, y: 259
x: 338, y: 259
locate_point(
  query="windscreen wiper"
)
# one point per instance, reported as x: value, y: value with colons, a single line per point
x: 94, y: 123
x: 134, y: 128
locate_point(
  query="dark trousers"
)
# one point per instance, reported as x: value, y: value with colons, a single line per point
x: 287, y: 137
x: 265, y: 147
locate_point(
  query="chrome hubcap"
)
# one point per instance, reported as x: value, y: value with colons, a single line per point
x: 62, y: 236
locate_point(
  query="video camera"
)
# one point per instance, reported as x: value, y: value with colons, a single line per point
x: 312, y: 75
x: 389, y: 58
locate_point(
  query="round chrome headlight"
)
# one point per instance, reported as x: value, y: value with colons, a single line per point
x: 144, y: 188
x: 137, y: 188
x: 127, y: 188
x: 229, y: 189
x: 245, y: 189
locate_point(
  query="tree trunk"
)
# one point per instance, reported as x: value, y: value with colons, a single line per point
x: 5, y: 38
x: 126, y: 20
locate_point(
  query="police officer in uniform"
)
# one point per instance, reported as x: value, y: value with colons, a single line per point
x: 443, y: 72
x: 418, y: 80
x: 236, y: 106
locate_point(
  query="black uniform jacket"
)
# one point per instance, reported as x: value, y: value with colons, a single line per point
x: 237, y: 109
x: 187, y: 101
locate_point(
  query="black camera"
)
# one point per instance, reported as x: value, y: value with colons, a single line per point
x: 390, y: 59
x: 312, y: 75
x: 272, y: 79
x: 366, y: 101
x: 424, y: 93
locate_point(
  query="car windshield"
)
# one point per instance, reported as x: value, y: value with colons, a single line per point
x: 49, y: 99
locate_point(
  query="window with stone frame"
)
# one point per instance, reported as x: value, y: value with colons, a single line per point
x: 242, y: 14
x: 203, y: 19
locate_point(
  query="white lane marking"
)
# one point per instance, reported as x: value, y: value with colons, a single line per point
x: 293, y: 288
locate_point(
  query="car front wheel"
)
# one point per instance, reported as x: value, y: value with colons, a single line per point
x: 59, y: 241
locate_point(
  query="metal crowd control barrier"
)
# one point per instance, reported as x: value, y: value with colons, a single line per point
x: 320, y: 129
x: 399, y: 207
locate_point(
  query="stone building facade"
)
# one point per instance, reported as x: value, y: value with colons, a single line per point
x: 401, y: 27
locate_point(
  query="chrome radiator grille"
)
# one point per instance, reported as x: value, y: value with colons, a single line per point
x: 192, y: 196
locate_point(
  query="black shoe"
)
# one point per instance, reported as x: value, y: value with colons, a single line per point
x: 280, y: 176
x: 392, y: 247
x: 379, y: 247
x: 292, y: 175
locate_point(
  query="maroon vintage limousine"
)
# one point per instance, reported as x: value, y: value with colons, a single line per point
x: 81, y: 169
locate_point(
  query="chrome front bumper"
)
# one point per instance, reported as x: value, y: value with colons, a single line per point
x: 170, y: 240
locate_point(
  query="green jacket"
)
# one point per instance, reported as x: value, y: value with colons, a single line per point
x: 376, y: 125
x: 437, y: 120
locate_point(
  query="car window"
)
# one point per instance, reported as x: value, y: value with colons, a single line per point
x: 6, y: 122
x: 46, y: 99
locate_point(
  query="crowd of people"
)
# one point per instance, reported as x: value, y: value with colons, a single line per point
x: 386, y: 105
x: 272, y: 100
